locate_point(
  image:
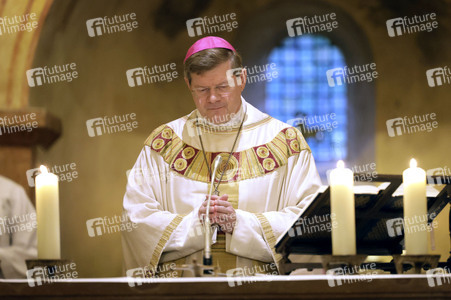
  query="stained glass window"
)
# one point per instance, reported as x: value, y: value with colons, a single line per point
x: 301, y: 94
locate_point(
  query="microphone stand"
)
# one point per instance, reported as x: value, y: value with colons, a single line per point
x: 208, y: 261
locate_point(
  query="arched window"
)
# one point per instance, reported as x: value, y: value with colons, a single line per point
x: 301, y: 94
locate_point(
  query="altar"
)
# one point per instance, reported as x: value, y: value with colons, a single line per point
x: 260, y: 287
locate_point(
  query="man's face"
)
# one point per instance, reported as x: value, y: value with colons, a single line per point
x: 215, y: 99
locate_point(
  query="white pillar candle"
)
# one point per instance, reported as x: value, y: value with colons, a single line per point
x: 415, y: 210
x: 48, y: 217
x: 342, y: 210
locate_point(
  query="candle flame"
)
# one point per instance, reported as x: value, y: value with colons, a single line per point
x: 413, y: 163
x: 340, y: 164
x: 43, y: 169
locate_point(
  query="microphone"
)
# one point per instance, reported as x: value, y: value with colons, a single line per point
x: 207, y: 251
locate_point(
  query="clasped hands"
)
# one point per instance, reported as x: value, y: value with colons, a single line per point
x: 221, y: 212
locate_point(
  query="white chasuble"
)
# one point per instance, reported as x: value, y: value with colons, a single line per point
x: 270, y: 177
x: 18, y: 241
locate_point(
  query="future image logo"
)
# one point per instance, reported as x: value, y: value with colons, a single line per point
x: 134, y: 276
x: 311, y: 24
x: 211, y: 25
x: 398, y: 226
x: 35, y: 276
x: 395, y: 126
x: 18, y: 123
x: 35, y: 77
x: 12, y: 225
x: 54, y: 74
x: 147, y: 75
x: 352, y: 274
x: 395, y: 227
x: 135, y: 77
x: 410, y: 125
x: 438, y: 276
x: 353, y: 74
x: 439, y: 176
x: 65, y: 172
x: 195, y: 26
x: 15, y: 24
x: 138, y: 276
x: 31, y: 176
x: 234, y: 77
x: 108, y: 225
x: 110, y: 125
x: 110, y: 25
x: 45, y: 275
x: 313, y: 225
x: 238, y: 276
x: 407, y: 25
x: 438, y: 76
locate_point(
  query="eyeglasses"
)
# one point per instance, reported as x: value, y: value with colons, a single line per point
x: 222, y: 89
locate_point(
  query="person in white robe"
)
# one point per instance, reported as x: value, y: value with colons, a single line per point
x: 266, y: 177
x: 18, y: 241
